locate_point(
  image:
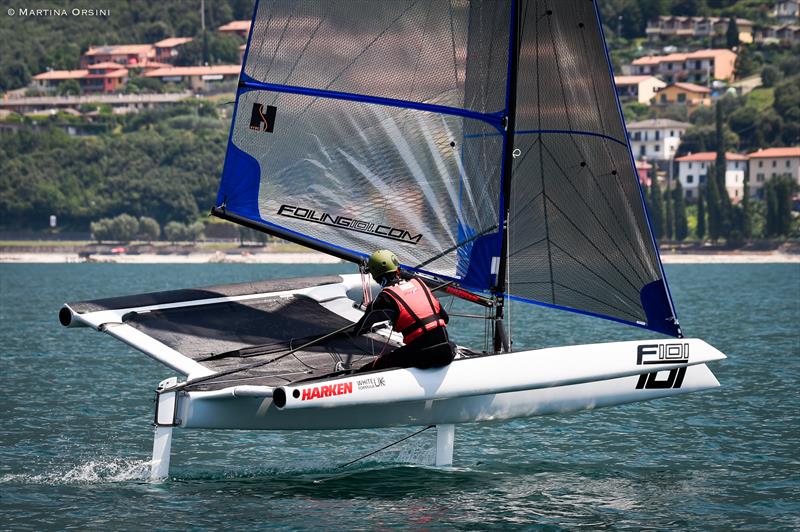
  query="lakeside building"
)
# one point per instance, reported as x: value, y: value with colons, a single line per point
x: 123, y: 54
x: 686, y: 93
x: 639, y: 88
x: 785, y: 34
x: 787, y: 11
x: 236, y: 27
x: 693, y: 173
x: 767, y: 163
x: 167, y: 50
x: 103, y: 78
x: 683, y: 27
x: 701, y: 66
x: 656, y: 139
x: 197, y: 78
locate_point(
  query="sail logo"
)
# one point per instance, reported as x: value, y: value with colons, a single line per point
x: 263, y: 119
x: 662, y: 354
x: 371, y: 383
x: 350, y: 224
x: 327, y: 390
x: 649, y: 354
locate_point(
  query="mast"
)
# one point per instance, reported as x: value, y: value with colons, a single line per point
x: 500, y: 340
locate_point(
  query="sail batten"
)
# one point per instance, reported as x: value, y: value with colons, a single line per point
x: 455, y: 132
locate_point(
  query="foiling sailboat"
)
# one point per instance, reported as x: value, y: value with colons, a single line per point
x: 483, y: 142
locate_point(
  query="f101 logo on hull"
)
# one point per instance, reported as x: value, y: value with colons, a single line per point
x: 652, y: 354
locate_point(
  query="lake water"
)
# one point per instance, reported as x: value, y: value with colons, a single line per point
x: 75, y: 430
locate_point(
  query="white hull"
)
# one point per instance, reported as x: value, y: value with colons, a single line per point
x: 213, y: 410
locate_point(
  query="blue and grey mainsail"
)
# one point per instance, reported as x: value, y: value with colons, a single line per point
x: 364, y: 125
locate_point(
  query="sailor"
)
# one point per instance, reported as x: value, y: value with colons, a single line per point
x: 413, y: 311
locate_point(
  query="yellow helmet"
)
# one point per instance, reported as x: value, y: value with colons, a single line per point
x: 382, y: 262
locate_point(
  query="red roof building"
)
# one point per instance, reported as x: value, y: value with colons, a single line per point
x: 773, y: 162
x: 693, y: 173
x: 237, y: 27
x: 104, y: 77
x: 167, y: 49
x: 124, y: 54
x: 198, y: 78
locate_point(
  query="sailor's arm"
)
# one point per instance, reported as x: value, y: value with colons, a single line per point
x: 382, y: 308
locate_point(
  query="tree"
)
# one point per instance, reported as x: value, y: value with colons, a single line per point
x: 784, y: 188
x: 175, y: 231
x: 787, y: 105
x: 124, y: 227
x: 149, y: 229
x: 772, y: 226
x: 770, y: 76
x: 688, y: 8
x: 701, y: 215
x: 747, y: 223
x: 657, y: 208
x: 720, y: 169
x: 194, y: 232
x: 732, y: 34
x: 681, y: 220
x: 14, y: 76
x: 712, y: 204
x: 669, y: 224
x: 69, y: 87
x: 101, y: 230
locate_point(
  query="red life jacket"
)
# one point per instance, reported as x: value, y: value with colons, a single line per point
x: 419, y: 309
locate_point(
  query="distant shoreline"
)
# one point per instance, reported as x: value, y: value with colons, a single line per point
x: 311, y: 257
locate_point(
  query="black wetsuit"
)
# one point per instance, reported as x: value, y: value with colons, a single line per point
x: 432, y: 349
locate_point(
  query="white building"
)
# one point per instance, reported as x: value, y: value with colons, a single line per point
x: 656, y: 139
x: 693, y: 172
x: 787, y: 10
x: 772, y: 162
x: 639, y: 88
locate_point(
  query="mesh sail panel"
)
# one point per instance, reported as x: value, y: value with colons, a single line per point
x: 413, y: 50
x: 375, y: 124
x: 578, y: 233
x: 364, y: 176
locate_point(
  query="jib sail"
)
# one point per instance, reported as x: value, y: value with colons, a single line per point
x: 579, y: 236
x: 368, y: 125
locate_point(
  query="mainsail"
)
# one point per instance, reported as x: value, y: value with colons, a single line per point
x: 482, y: 141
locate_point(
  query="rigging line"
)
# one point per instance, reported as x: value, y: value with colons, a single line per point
x: 453, y: 248
x: 591, y: 210
x: 260, y: 363
x: 591, y: 242
x: 625, y: 229
x: 590, y: 270
x: 351, y: 462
